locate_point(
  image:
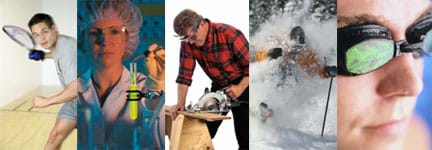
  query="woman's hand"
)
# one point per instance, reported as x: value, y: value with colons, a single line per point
x: 155, y: 63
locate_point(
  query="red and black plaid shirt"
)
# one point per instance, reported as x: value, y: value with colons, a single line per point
x: 224, y: 56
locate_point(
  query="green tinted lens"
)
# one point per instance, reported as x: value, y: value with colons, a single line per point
x: 369, y: 55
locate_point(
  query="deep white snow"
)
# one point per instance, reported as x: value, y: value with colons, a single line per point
x: 298, y: 107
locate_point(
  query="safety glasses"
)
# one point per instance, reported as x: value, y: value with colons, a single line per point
x: 365, y: 48
x: 44, y: 33
x: 113, y: 32
x: 191, y: 36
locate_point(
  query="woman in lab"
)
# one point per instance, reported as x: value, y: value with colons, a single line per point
x: 109, y: 33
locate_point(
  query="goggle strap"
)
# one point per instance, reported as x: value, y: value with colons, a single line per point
x: 364, y: 30
x: 416, y: 32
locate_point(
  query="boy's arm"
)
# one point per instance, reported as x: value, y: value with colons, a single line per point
x: 68, y: 94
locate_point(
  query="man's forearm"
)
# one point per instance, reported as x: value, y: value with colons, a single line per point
x: 68, y: 94
x: 182, y: 90
x: 244, y: 83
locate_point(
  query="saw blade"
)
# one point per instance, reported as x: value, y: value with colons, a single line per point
x: 211, y: 104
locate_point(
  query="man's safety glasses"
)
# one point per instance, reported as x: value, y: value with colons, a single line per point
x: 44, y: 33
x: 191, y: 36
x: 365, y: 48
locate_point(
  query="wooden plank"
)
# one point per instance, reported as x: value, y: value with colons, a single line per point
x: 195, y: 135
x: 176, y: 132
x: 168, y: 125
x: 190, y: 133
x: 205, y: 116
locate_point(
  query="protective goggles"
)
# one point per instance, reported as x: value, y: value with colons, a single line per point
x: 191, y: 36
x: 113, y: 32
x: 365, y: 48
x: 44, y: 32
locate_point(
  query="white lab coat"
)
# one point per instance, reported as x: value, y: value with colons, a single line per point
x: 110, y: 126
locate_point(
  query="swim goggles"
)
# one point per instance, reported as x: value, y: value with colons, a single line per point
x: 367, y: 47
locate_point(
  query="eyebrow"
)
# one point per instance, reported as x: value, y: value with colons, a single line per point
x: 343, y: 21
x: 109, y: 27
x: 41, y: 30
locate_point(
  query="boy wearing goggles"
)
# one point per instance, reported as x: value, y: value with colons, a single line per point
x: 63, y: 51
x: 380, y: 64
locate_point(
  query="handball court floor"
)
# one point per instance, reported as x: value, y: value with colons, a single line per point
x: 27, y: 128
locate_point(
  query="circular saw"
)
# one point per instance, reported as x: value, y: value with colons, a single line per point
x: 211, y: 102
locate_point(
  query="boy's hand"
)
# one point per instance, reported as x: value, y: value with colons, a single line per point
x: 41, y: 102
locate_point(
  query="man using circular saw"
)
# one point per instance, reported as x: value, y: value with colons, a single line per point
x: 222, y: 51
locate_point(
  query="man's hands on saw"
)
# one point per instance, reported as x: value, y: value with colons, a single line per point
x: 172, y: 110
x: 234, y: 91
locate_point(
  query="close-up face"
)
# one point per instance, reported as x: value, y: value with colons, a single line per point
x: 108, y: 40
x: 197, y: 37
x: 375, y: 108
x: 44, y: 35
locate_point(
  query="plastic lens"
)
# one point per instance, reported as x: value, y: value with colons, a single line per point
x: 369, y: 55
x: 44, y: 33
x: 113, y: 33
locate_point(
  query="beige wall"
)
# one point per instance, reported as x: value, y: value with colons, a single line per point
x: 17, y: 73
x: 64, y: 13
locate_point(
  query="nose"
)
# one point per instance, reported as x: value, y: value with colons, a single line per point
x: 101, y: 38
x: 191, y: 42
x: 401, y: 77
x: 41, y: 38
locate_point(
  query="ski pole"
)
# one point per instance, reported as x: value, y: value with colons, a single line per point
x: 325, y: 114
